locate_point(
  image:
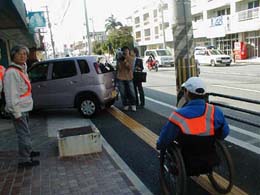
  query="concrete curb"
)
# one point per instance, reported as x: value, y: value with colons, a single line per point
x: 124, y: 167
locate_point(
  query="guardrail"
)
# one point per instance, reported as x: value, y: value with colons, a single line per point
x: 236, y: 108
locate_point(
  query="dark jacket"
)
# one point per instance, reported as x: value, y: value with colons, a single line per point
x: 138, y: 65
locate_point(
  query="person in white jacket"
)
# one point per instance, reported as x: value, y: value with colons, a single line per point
x: 17, y: 90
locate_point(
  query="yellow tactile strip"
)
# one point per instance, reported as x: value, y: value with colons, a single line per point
x: 145, y: 134
x: 150, y: 138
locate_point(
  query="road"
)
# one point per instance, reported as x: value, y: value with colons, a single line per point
x: 138, y: 152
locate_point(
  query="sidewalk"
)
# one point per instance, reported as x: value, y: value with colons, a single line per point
x: 249, y: 61
x: 99, y: 173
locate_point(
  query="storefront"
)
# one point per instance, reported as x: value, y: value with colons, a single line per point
x: 14, y: 28
x: 253, y: 43
x: 226, y: 44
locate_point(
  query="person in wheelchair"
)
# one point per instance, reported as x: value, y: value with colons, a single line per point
x: 195, y: 126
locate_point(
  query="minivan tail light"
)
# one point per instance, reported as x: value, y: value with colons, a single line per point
x: 97, y: 68
x: 113, y: 82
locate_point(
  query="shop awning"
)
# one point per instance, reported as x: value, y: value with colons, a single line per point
x: 13, y: 25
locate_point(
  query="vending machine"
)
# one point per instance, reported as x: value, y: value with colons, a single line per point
x: 240, y: 50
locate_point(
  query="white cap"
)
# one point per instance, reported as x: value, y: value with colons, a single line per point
x: 195, y: 85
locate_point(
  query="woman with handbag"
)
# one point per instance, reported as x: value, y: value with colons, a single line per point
x: 139, y: 77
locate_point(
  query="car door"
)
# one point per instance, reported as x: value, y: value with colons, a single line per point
x: 38, y: 75
x: 62, y: 85
x: 200, y: 56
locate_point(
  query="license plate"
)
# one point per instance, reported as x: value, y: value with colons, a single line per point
x: 114, y: 93
x: 225, y: 61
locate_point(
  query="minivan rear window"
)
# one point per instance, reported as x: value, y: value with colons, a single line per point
x: 103, y: 67
x: 83, y: 65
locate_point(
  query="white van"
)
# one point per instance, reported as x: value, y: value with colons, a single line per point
x: 211, y: 57
x: 162, y: 56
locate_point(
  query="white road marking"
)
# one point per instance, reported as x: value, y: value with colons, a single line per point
x: 243, y: 144
x: 241, y: 89
x: 233, y: 140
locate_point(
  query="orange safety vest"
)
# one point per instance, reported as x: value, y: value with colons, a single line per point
x: 201, y: 126
x: 26, y: 80
x: 2, y: 71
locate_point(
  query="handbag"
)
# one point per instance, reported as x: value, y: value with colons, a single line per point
x: 140, y: 76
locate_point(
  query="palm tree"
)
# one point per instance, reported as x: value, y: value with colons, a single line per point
x: 111, y: 23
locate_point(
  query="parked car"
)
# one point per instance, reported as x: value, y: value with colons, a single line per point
x: 85, y: 82
x: 163, y: 57
x: 213, y: 57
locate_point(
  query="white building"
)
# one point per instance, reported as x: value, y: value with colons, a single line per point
x: 215, y: 22
x: 148, y: 31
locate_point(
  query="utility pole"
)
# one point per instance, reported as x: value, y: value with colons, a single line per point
x: 49, y: 25
x: 183, y: 42
x: 94, y: 34
x: 163, y: 30
x: 87, y: 28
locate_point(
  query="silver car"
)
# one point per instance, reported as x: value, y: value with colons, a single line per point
x: 85, y: 82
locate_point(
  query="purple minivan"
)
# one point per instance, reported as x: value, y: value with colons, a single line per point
x: 84, y: 82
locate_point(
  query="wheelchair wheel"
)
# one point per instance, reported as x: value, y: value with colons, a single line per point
x: 224, y: 169
x: 173, y: 176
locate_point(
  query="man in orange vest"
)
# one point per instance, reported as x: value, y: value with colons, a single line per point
x: 196, y: 119
x: 2, y: 71
x: 17, y: 89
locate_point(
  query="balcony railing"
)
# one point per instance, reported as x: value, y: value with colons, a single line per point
x: 248, y: 14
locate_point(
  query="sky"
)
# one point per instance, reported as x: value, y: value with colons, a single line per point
x: 69, y: 26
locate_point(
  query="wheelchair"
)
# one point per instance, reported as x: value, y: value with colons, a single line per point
x: 178, y: 162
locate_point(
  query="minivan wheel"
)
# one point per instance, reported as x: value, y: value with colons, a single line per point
x: 88, y: 106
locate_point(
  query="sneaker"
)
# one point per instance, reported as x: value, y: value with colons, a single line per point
x: 28, y: 163
x: 126, y: 108
x: 133, y: 108
x: 34, y: 154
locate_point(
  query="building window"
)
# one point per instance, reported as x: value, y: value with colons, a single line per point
x: 221, y: 12
x: 137, y: 20
x: 147, y: 34
x: 138, y: 36
x: 155, y: 13
x: 156, y: 32
x: 165, y: 6
x: 253, y: 4
x: 166, y: 25
x: 228, y: 11
x: 197, y: 18
x: 146, y: 17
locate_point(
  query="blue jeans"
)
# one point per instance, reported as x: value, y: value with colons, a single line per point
x: 127, y: 92
x: 24, y: 137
